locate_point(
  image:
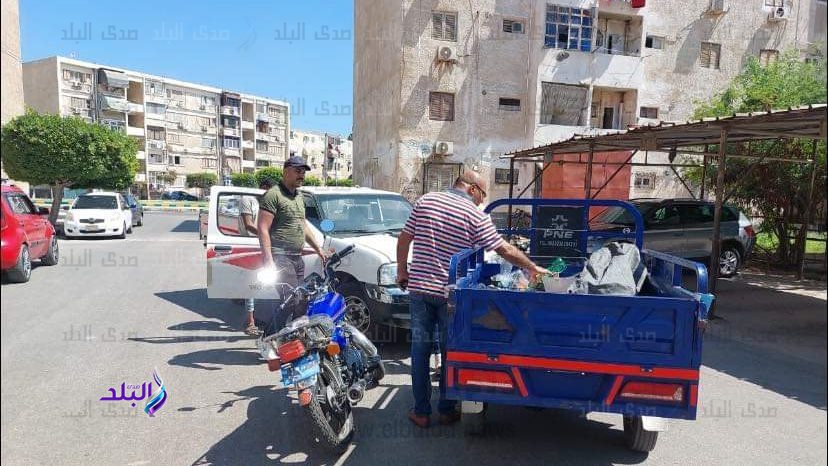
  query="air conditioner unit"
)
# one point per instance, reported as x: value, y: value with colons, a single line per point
x: 202, y: 107
x: 717, y: 6
x: 447, y: 54
x: 204, y: 129
x: 180, y: 125
x: 443, y: 148
x: 780, y: 13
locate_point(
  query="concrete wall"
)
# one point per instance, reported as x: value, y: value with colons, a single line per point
x: 377, y: 97
x: 12, y: 71
x: 41, y: 85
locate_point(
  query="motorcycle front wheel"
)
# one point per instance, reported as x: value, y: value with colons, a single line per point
x: 330, y: 409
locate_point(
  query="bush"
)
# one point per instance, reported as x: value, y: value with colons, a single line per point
x: 346, y: 183
x: 311, y: 180
x: 274, y: 174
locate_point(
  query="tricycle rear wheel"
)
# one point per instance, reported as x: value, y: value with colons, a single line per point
x: 637, y: 438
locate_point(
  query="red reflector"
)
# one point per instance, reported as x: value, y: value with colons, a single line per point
x: 291, y: 350
x: 750, y: 231
x: 669, y: 392
x: 274, y: 365
x: 486, y: 379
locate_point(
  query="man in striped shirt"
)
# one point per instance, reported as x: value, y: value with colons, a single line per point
x: 441, y: 225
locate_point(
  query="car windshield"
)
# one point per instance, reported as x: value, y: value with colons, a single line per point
x: 364, y: 213
x: 96, y: 202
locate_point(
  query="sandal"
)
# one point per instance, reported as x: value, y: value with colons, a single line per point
x: 252, y: 330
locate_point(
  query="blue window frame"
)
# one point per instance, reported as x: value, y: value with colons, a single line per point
x: 568, y: 28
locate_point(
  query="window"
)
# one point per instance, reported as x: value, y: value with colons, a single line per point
x: 663, y: 218
x: 260, y: 108
x: 174, y: 159
x: 208, y: 163
x: 568, y: 28
x: 174, y: 138
x: 233, y: 143
x: 444, y: 26
x: 208, y: 100
x: 649, y: 112
x: 654, y: 42
x: 691, y: 214
x: 154, y: 133
x: 441, y: 106
x: 261, y: 146
x: 77, y: 76
x: 644, y: 181
x: 563, y: 104
x: 229, y: 122
x: 20, y: 204
x: 710, y: 55
x: 512, y: 26
x: 509, y: 104
x: 208, y: 143
x: 231, y: 101
x: 502, y: 176
x: 264, y: 163
x: 156, y: 109
x: 775, y: 3
x: 440, y: 176
x: 154, y: 88
x: 77, y: 102
x: 768, y: 56
x: 156, y: 158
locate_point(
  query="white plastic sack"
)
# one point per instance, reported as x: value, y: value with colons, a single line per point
x: 615, y: 269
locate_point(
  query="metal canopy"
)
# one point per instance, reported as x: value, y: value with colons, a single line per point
x: 694, y: 138
x: 803, y: 122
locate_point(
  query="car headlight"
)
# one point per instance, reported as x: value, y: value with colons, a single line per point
x: 387, y: 274
x: 114, y: 218
x: 70, y: 217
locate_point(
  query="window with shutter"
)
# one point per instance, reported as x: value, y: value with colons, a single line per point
x: 441, y: 106
x: 710, y: 54
x: 440, y: 176
x: 649, y: 112
x: 444, y: 26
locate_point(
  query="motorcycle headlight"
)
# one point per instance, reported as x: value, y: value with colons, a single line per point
x: 387, y: 274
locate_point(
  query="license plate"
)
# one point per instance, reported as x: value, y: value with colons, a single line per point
x: 91, y: 228
x: 300, y: 369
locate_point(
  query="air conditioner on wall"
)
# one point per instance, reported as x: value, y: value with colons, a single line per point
x: 447, y: 54
x: 443, y: 148
x: 780, y: 13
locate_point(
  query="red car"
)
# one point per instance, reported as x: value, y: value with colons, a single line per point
x: 25, y: 235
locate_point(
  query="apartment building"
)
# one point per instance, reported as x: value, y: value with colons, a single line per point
x: 336, y: 163
x: 12, y: 73
x: 181, y: 127
x: 445, y: 85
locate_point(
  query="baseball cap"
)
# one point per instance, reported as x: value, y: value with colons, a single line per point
x: 297, y: 161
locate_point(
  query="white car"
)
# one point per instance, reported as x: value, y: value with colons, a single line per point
x: 367, y: 218
x: 98, y: 214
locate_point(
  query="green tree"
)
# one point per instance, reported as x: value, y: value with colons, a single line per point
x: 778, y: 191
x: 346, y: 182
x: 67, y: 152
x: 167, y: 177
x: 311, y: 180
x: 247, y: 180
x: 274, y: 174
x: 204, y: 181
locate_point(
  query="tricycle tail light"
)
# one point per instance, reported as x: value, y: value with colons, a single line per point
x: 667, y: 392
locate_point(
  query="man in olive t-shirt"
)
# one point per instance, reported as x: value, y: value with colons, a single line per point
x: 282, y: 227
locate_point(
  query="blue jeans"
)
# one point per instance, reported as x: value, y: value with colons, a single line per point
x: 427, y: 312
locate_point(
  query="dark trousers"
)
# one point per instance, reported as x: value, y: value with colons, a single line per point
x: 291, y: 270
x: 429, y: 319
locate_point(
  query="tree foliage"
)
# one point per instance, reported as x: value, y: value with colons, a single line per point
x: 247, y: 180
x: 273, y: 174
x: 775, y: 191
x: 67, y: 152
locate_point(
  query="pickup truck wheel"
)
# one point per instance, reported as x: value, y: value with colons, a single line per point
x: 637, y: 438
x: 356, y: 306
x: 141, y: 220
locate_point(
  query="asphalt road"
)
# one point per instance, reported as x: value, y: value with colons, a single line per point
x: 113, y: 310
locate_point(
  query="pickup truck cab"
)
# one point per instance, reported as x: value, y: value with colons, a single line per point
x: 367, y: 218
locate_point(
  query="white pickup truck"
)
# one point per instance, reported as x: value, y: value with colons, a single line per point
x: 367, y: 218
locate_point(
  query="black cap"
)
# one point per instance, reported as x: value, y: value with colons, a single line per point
x: 297, y: 161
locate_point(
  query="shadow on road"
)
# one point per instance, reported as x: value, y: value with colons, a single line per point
x: 278, y: 431
x: 187, y: 226
x: 771, y: 338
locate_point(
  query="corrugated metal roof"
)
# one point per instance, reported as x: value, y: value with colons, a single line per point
x: 800, y: 122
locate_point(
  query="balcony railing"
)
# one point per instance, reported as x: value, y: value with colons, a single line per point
x: 228, y: 110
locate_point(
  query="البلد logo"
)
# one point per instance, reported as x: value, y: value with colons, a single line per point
x: 156, y: 402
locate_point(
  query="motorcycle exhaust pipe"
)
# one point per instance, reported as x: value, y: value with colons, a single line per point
x: 361, y: 341
x: 356, y: 391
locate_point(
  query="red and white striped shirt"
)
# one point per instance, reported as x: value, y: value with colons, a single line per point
x: 442, y: 224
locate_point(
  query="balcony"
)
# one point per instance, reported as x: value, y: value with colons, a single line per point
x: 134, y: 108
x: 263, y: 117
x: 232, y: 111
x: 135, y: 131
x: 155, y: 144
x: 82, y: 112
x: 231, y: 151
x: 77, y: 86
x: 156, y: 98
x: 247, y: 144
x: 230, y: 131
x: 248, y: 124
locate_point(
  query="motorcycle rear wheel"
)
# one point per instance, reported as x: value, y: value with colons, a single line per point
x: 330, y: 409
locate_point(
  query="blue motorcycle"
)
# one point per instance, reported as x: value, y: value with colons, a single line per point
x: 322, y: 356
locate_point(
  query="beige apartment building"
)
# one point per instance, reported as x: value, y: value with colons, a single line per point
x: 311, y: 146
x: 11, y: 67
x: 181, y: 127
x: 444, y: 85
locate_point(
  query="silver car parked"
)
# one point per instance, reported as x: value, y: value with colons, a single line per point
x: 684, y: 228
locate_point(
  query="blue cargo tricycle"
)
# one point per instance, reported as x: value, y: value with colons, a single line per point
x: 637, y: 356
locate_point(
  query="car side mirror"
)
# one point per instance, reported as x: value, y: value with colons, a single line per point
x: 43, y: 210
